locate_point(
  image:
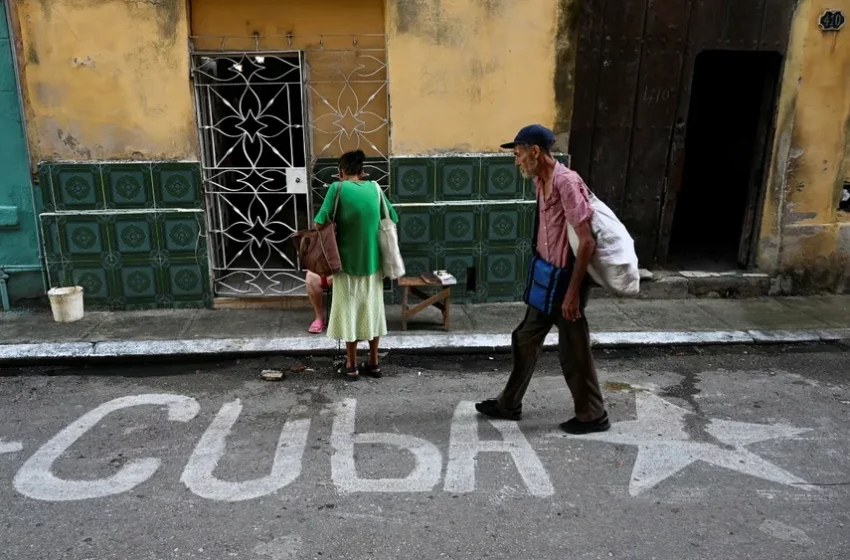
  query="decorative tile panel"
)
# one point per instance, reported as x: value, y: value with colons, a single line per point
x: 413, y: 180
x: 134, y: 235
x: 458, y: 263
x: 129, y: 234
x: 416, y: 263
x: 77, y: 187
x: 458, y: 178
x: 128, y: 186
x: 415, y: 227
x: 501, y: 179
x: 83, y: 236
x: 177, y: 185
x: 461, y: 226
x: 503, y: 223
x: 180, y: 235
x: 93, y: 281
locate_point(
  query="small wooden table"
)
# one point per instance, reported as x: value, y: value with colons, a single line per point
x: 441, y: 300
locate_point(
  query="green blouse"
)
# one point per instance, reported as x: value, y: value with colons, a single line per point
x: 357, y: 218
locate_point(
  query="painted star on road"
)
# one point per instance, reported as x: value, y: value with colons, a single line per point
x: 664, y: 448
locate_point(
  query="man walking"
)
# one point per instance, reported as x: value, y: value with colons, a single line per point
x: 562, y: 199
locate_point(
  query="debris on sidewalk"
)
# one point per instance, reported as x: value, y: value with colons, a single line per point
x: 272, y: 375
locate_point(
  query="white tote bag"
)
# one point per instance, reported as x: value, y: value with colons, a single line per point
x: 391, y: 261
x: 614, y: 264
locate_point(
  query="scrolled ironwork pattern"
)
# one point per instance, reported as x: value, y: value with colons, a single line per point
x: 271, y: 117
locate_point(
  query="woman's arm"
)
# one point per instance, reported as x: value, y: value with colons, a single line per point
x: 325, y: 213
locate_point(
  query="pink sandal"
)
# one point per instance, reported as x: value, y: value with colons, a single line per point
x: 316, y: 327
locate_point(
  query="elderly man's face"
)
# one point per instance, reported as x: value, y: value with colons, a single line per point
x: 528, y: 160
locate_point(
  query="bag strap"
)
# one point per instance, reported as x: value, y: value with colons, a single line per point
x: 336, y: 200
x: 383, y: 211
x: 536, y: 222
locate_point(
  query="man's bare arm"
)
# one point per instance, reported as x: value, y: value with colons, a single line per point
x: 586, y: 248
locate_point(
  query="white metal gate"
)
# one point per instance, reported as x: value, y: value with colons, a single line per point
x: 274, y: 114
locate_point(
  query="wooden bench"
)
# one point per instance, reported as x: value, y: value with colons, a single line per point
x: 441, y: 300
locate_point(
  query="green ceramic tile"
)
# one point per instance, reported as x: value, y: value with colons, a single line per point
x: 138, y: 283
x: 93, y: 281
x: 181, y: 234
x: 503, y: 223
x: 458, y: 178
x: 128, y: 186
x: 461, y: 226
x: 186, y: 280
x: 415, y: 227
x: 413, y: 180
x: 458, y: 263
x: 501, y: 178
x: 52, y: 246
x: 502, y: 267
x: 58, y: 274
x: 416, y: 263
x: 77, y: 186
x: 83, y: 236
x: 45, y: 187
x: 177, y: 185
x: 527, y: 215
x: 134, y: 234
x: 528, y: 189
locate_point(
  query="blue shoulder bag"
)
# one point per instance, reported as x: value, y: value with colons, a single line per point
x: 547, y: 284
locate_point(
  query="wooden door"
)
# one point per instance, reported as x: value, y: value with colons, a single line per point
x: 633, y: 73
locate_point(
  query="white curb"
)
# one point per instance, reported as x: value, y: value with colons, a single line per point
x: 426, y: 343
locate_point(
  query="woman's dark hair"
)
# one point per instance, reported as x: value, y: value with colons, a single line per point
x: 351, y: 163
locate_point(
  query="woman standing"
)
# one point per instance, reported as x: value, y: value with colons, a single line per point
x: 357, y: 308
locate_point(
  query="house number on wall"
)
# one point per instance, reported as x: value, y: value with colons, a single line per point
x: 832, y: 20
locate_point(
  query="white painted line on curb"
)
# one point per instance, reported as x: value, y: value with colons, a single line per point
x: 785, y: 336
x: 834, y: 335
x: 435, y: 343
x: 44, y: 350
x: 669, y: 338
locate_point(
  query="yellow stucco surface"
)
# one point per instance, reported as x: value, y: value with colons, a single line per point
x: 801, y: 227
x: 346, y: 80
x: 104, y: 79
x: 465, y: 75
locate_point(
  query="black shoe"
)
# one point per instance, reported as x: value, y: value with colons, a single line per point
x: 577, y: 428
x: 351, y: 374
x: 370, y: 370
x: 491, y: 408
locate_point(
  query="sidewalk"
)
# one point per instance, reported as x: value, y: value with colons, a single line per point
x: 475, y: 328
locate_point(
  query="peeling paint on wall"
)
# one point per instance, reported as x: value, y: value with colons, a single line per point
x: 465, y: 75
x: 803, y: 235
x: 106, y: 79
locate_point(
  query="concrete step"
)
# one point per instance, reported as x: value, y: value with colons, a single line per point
x: 687, y: 284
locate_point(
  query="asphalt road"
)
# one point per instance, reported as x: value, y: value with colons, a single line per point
x: 720, y: 454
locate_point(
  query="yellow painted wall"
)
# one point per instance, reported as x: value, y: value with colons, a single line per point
x: 345, y: 79
x: 803, y: 234
x: 105, y: 79
x: 465, y: 75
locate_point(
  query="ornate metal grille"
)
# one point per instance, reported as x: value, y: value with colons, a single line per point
x: 274, y: 114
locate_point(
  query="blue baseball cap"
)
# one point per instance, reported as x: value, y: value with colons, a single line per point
x: 532, y: 135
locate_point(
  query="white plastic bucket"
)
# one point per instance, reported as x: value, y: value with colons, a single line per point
x: 66, y: 303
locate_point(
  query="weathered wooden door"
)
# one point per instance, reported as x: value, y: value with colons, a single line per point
x: 633, y: 74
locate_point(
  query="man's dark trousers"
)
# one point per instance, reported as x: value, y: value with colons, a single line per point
x: 574, y: 354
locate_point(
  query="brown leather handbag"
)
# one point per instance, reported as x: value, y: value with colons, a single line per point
x: 317, y: 249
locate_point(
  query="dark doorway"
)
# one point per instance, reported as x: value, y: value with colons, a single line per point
x: 728, y: 129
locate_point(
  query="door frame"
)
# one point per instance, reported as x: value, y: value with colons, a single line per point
x: 757, y: 183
